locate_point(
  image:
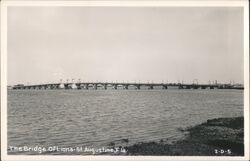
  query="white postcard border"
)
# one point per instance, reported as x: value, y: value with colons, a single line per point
x: 220, y: 3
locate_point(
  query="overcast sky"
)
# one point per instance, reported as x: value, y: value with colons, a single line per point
x: 46, y: 44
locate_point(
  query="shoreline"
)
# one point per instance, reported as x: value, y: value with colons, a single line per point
x: 215, y: 137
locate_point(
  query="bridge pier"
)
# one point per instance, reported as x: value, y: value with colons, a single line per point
x: 52, y: 87
x: 115, y: 86
x: 151, y: 87
x: 203, y: 87
x: 164, y: 87
x: 78, y: 86
x: 125, y: 86
x: 180, y: 87
x: 195, y: 87
x: 138, y: 87
x: 95, y: 86
x: 55, y: 87
x: 82, y: 86
x: 220, y: 87
x: 66, y: 86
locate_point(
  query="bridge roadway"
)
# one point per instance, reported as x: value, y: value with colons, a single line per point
x: 106, y: 85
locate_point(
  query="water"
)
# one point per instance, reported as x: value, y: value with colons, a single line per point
x: 98, y: 118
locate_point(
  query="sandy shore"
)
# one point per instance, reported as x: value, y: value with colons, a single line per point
x: 216, y: 137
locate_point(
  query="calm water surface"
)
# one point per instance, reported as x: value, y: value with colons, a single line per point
x: 97, y: 118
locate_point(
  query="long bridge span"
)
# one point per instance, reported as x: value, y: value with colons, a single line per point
x: 126, y: 86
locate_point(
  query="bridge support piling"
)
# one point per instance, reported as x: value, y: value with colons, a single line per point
x: 180, y: 87
x: 95, y: 86
x: 78, y: 86
x: 195, y: 87
x: 66, y: 86
x: 164, y: 87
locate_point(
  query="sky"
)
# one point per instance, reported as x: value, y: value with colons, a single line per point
x: 159, y: 44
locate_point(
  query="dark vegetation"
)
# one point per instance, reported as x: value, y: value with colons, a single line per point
x: 221, y: 134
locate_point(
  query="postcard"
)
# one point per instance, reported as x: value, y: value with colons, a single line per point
x: 124, y: 80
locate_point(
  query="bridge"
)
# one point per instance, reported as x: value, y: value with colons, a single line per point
x: 125, y: 86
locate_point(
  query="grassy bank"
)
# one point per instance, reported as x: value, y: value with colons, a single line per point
x: 222, y: 136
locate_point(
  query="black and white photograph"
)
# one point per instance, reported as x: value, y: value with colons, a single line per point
x: 124, y: 80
